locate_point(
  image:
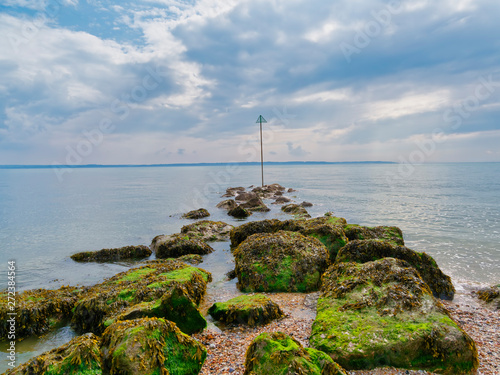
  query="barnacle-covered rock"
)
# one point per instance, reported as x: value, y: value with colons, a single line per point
x: 255, y: 204
x: 295, y: 209
x: 196, y: 214
x: 389, y: 234
x: 369, y: 250
x: 150, y: 346
x: 175, y: 305
x: 382, y: 313
x: 207, y: 230
x: 491, y: 296
x: 106, y: 255
x: 278, y: 353
x: 280, y: 262
x: 250, y: 310
x: 103, y: 303
x: 38, y: 310
x: 176, y: 245
x: 240, y: 234
x: 80, y: 356
x: 239, y: 212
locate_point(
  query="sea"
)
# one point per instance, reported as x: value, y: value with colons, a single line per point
x: 451, y: 211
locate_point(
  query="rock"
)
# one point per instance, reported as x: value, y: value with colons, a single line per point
x: 240, y: 234
x: 231, y: 275
x: 389, y: 234
x: 175, y: 305
x: 79, y: 356
x: 278, y: 353
x: 306, y: 204
x: 490, y: 295
x: 102, y: 304
x: 282, y: 200
x: 239, y: 212
x: 255, y: 204
x: 176, y: 245
x: 196, y: 214
x: 191, y: 259
x: 369, y: 250
x: 243, y: 196
x: 382, y: 313
x: 280, y: 262
x: 268, y: 191
x: 207, y: 230
x: 234, y: 191
x: 290, y: 190
x: 106, y: 255
x: 150, y: 346
x: 295, y: 209
x: 37, y: 310
x: 228, y: 204
x: 250, y: 310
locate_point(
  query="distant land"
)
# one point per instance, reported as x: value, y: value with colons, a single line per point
x: 14, y: 166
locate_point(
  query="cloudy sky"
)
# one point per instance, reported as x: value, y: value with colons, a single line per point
x: 178, y: 81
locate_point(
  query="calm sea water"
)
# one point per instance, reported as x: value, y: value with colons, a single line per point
x: 450, y: 211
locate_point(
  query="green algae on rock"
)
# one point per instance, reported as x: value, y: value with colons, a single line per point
x: 196, y: 214
x: 369, y: 250
x: 207, y: 230
x: 103, y: 303
x: 179, y: 244
x: 150, y: 346
x: 80, y: 356
x: 106, y: 255
x: 38, y: 310
x: 280, y: 262
x: 389, y: 234
x: 250, y: 310
x: 279, y: 354
x: 240, y: 233
x: 382, y: 313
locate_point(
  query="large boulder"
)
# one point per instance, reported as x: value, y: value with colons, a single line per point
x: 207, y: 230
x: 388, y: 234
x: 176, y: 245
x: 280, y: 262
x: 369, y: 250
x: 278, y: 353
x: 102, y: 304
x: 106, y: 255
x: 250, y: 310
x: 80, y: 356
x: 150, y: 346
x: 37, y: 311
x: 240, y: 233
x: 382, y: 313
x: 196, y: 214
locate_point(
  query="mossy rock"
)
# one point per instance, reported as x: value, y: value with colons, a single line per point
x: 175, y: 305
x: 389, y: 234
x: 196, y: 214
x: 194, y: 259
x: 382, y: 313
x: 207, y: 230
x: 80, y: 356
x: 255, y: 204
x: 240, y: 233
x: 279, y: 354
x: 239, y: 212
x: 491, y: 296
x: 177, y: 245
x: 150, y: 346
x: 369, y: 250
x: 107, y: 255
x: 295, y: 209
x: 38, y: 310
x: 280, y: 262
x: 250, y: 310
x: 103, y: 303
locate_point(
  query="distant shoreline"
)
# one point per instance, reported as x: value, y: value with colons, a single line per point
x: 20, y: 166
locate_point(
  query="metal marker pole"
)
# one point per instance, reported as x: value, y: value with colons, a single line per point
x: 261, y: 153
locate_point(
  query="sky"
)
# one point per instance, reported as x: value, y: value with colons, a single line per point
x: 178, y: 81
